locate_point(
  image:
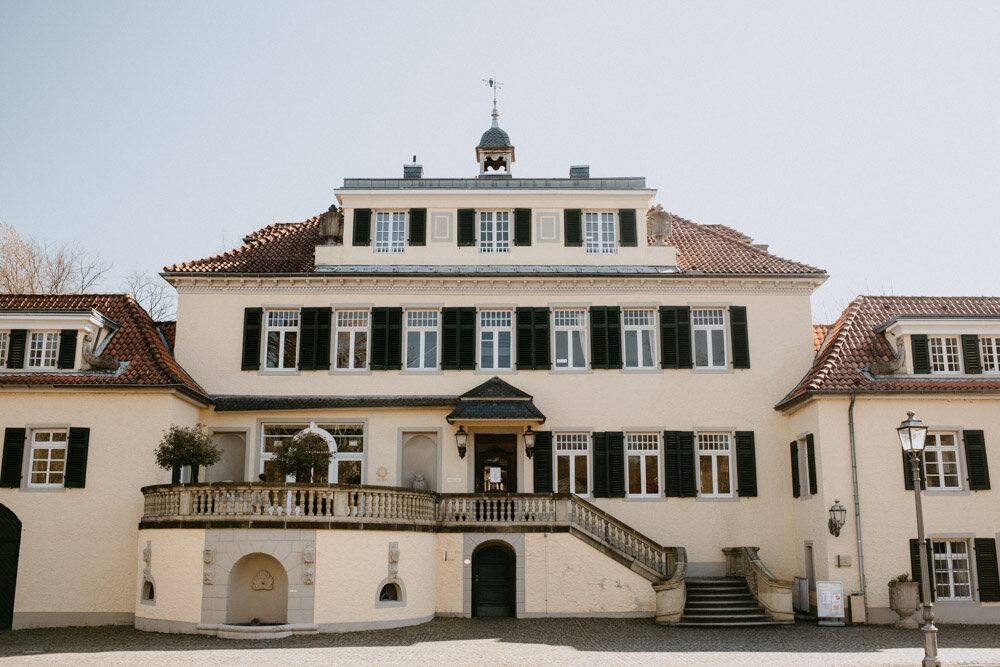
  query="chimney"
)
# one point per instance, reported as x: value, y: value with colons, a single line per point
x: 579, y: 171
x: 413, y: 170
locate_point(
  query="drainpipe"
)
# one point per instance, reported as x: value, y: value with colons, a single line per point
x: 857, y: 503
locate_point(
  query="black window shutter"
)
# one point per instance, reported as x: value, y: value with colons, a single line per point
x: 600, y: 465
x: 252, y: 318
x: 921, y: 354
x: 13, y: 456
x: 908, y: 474
x: 746, y: 465
x: 541, y: 331
x: 76, y: 458
x: 675, y: 337
x: 684, y: 359
x: 626, y: 226
x: 915, y: 567
x: 542, y: 465
x: 796, y: 489
x: 671, y: 464
x: 525, y: 337
x: 449, y: 338
x: 689, y: 484
x: 522, y: 226
x: 741, y: 340
x: 466, y: 227
x: 598, y: 337
x: 614, y: 325
x: 394, y: 339
x: 418, y: 226
x: 970, y: 354
x: 386, y: 349
x: 986, y: 569
x: 323, y: 337
x: 467, y: 339
x: 362, y: 226
x: 15, y: 355
x: 811, y: 464
x: 573, y: 227
x: 307, y: 339
x: 616, y: 464
x: 975, y: 457
x: 67, y: 348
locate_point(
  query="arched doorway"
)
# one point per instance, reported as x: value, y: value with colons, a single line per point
x: 10, y: 547
x: 493, y: 578
x: 258, y: 591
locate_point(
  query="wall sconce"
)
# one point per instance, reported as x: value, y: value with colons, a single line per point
x: 462, y: 440
x: 837, y: 517
x: 529, y: 442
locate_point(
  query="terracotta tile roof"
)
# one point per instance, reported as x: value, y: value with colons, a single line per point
x: 852, y: 344
x: 169, y: 331
x: 290, y: 247
x: 150, y: 363
x: 819, y: 335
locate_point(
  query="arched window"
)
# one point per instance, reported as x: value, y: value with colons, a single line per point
x: 148, y: 591
x: 389, y: 593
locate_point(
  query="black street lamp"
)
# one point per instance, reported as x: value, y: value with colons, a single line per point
x: 838, y: 514
x: 529, y: 442
x: 462, y: 440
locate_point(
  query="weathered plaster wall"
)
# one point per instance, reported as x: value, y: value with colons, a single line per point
x: 176, y: 570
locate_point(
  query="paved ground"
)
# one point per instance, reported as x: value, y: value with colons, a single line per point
x: 449, y: 641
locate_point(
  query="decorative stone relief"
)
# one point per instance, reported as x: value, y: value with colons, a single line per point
x: 208, y: 556
x: 382, y: 474
x: 147, y: 558
x: 393, y: 560
x: 419, y: 482
x: 309, y: 569
x: 262, y: 581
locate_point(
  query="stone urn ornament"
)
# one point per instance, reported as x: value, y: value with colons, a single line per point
x: 904, y: 599
x: 659, y: 225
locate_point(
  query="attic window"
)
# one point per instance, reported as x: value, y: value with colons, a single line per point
x: 944, y: 354
x: 43, y: 349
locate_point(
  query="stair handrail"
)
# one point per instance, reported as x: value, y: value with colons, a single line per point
x: 772, y: 593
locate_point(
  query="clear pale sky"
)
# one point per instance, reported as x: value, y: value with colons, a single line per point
x: 860, y: 137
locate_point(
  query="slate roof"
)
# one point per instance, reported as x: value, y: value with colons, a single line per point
x: 494, y: 138
x: 136, y: 341
x: 496, y: 388
x: 289, y: 248
x: 853, y: 343
x: 524, y: 411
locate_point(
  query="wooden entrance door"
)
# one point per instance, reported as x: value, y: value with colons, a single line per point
x: 496, y: 463
x: 10, y: 546
x: 493, y: 581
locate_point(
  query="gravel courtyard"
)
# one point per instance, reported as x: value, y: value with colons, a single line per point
x: 450, y: 641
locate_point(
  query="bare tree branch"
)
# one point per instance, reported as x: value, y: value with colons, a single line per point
x: 30, y: 268
x: 153, y: 293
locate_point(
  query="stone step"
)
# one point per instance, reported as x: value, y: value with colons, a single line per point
x: 720, y: 598
x: 724, y: 611
x: 724, y: 618
x: 723, y: 624
x: 729, y: 604
x: 715, y: 580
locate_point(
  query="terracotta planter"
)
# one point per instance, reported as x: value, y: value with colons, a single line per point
x: 904, y: 599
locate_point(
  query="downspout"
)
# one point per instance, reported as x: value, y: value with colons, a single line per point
x: 857, y: 502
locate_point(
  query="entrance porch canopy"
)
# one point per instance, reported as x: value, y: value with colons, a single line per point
x: 493, y: 401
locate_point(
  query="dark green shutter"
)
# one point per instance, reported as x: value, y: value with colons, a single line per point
x: 811, y: 464
x: 975, y: 457
x: 387, y: 331
x: 614, y: 324
x: 542, y: 345
x: 970, y: 354
x: 626, y: 226
x: 67, y: 349
x: 362, y: 226
x: 314, y: 339
x: 908, y: 473
x: 76, y: 458
x: 573, y: 227
x: 252, y: 319
x: 418, y: 226
x: 746, y: 465
x: 532, y: 336
x: 675, y: 337
x: 796, y: 487
x: 324, y: 334
x: 522, y: 226
x: 13, y: 456
x: 458, y: 338
x: 609, y: 464
x: 542, y: 458
x: 466, y: 227
x: 600, y: 465
x: 689, y: 484
x: 741, y: 341
x: 915, y: 572
x: 679, y: 473
x: 986, y: 569
x: 921, y: 354
x: 15, y: 355
x: 605, y: 337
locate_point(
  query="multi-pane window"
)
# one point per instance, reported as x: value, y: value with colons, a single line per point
x: 570, y: 327
x: 48, y: 457
x: 43, y: 348
x: 941, y: 461
x: 599, y: 233
x: 638, y: 327
x: 952, y: 576
x: 282, y: 338
x: 4, y: 345
x: 494, y: 231
x: 346, y: 450
x: 709, y: 325
x: 944, y: 354
x: 352, y: 339
x: 421, y: 339
x: 571, y: 462
x: 390, y: 230
x: 989, y: 352
x: 495, y: 335
x: 643, y: 464
x: 714, y: 457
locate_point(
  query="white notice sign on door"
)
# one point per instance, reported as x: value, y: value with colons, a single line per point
x: 494, y: 475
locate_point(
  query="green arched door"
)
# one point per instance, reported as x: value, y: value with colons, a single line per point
x: 10, y: 546
x: 493, y: 581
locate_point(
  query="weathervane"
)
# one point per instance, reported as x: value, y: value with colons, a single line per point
x: 495, y: 85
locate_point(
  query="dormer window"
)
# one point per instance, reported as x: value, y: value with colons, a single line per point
x: 599, y: 233
x: 989, y: 349
x: 4, y: 346
x: 944, y: 353
x: 43, y: 349
x: 390, y: 231
x: 494, y: 231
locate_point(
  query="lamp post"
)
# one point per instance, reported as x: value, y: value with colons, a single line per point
x: 912, y: 433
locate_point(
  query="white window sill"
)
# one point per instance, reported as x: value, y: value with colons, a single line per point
x: 496, y: 371
x: 279, y: 371
x: 421, y: 371
x: 712, y: 370
x: 54, y: 488
x: 643, y: 499
x: 717, y: 499
x: 640, y: 371
x: 572, y: 370
x: 350, y: 371
x: 946, y: 492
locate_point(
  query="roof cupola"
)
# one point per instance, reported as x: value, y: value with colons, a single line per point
x: 494, y: 153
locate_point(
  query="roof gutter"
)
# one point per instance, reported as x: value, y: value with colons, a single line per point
x: 857, y: 501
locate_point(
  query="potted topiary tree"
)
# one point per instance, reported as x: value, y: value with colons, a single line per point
x: 302, y: 455
x: 187, y: 446
x: 904, y: 599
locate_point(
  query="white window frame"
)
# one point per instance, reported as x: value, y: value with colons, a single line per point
x: 43, y: 350
x: 282, y: 328
x: 566, y: 322
x: 331, y: 431
x: 425, y: 325
x: 934, y: 448
x: 702, y: 450
x: 945, y: 354
x: 638, y: 444
x: 632, y: 325
x: 709, y: 320
x: 989, y: 353
x: 600, y: 236
x: 390, y: 232
x: 4, y: 347
x: 490, y: 333
x: 353, y: 322
x: 51, y: 465
x: 494, y: 232
x: 571, y: 446
x: 945, y: 568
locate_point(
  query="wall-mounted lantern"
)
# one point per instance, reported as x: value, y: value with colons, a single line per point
x: 838, y: 514
x: 529, y: 442
x: 462, y: 440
